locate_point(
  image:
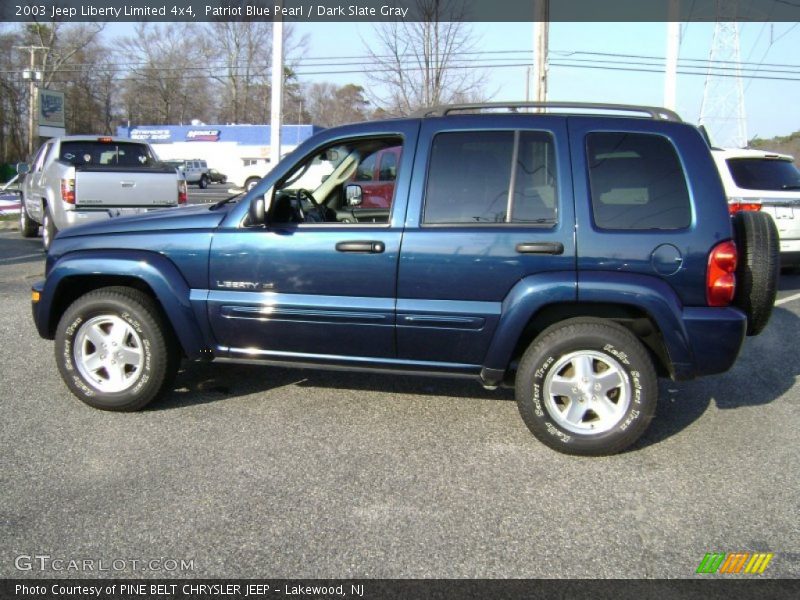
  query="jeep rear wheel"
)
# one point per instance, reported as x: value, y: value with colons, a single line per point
x: 758, y: 267
x: 112, y: 351
x: 587, y: 387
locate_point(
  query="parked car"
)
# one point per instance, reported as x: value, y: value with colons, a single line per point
x: 196, y: 172
x: 376, y: 176
x: 217, y: 177
x: 577, y: 256
x: 756, y: 180
x: 78, y: 179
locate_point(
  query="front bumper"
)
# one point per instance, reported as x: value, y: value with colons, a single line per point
x: 39, y: 310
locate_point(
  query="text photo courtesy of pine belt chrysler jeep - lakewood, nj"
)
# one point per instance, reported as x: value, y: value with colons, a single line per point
x: 575, y: 251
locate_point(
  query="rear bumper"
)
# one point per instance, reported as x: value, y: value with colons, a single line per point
x: 82, y: 217
x: 714, y: 337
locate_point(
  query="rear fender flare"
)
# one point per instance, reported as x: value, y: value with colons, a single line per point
x: 525, y: 299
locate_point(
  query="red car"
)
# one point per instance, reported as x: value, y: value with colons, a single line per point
x: 376, y: 176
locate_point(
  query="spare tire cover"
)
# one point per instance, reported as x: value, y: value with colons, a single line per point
x: 758, y: 267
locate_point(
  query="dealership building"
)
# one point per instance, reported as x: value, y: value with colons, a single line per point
x: 231, y: 149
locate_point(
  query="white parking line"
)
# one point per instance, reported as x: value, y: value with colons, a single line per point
x: 787, y: 299
x: 40, y: 254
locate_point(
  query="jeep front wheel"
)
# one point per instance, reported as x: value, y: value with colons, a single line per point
x: 112, y: 350
x: 587, y: 387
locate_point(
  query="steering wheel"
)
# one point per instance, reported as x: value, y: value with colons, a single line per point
x: 303, y: 193
x: 318, y: 209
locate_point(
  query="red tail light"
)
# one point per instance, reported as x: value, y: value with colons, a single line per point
x: 105, y: 140
x: 68, y: 191
x: 734, y: 207
x: 182, y: 194
x: 720, y: 277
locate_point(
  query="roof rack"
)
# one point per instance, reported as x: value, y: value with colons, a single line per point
x: 653, y: 112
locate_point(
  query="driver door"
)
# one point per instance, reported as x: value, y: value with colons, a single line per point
x: 313, y: 291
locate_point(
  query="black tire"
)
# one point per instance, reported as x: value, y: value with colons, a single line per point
x: 203, y: 182
x: 49, y: 230
x: 605, y: 347
x: 138, y: 313
x: 758, y: 267
x: 251, y: 183
x: 27, y: 227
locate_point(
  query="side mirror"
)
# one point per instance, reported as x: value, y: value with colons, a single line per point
x: 258, y: 211
x: 353, y: 194
x: 23, y: 168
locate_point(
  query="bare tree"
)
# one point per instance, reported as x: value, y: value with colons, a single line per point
x: 329, y: 105
x: 13, y: 100
x: 418, y: 64
x: 238, y: 55
x: 167, y: 82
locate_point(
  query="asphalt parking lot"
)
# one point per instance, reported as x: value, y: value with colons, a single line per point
x: 270, y: 472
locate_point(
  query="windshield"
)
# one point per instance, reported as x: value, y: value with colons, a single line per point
x: 764, y: 174
x: 122, y: 154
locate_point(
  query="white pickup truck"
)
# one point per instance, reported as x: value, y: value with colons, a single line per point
x: 78, y: 179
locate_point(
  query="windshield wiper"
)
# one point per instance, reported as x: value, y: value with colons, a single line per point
x: 224, y: 201
x: 791, y: 186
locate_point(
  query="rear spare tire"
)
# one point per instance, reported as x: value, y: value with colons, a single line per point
x: 758, y: 267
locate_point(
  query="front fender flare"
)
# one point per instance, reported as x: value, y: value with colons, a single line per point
x: 157, y: 271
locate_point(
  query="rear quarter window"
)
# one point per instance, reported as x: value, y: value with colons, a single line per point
x: 636, y: 182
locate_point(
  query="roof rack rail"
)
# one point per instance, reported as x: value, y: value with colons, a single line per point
x: 654, y: 112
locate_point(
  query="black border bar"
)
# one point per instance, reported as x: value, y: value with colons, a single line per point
x: 397, y: 10
x: 399, y: 589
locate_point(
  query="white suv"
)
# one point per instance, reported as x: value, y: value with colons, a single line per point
x: 765, y: 181
x: 196, y: 171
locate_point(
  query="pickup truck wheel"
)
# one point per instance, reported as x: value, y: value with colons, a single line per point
x: 27, y: 227
x: 203, y: 182
x: 758, y: 267
x: 587, y: 387
x: 49, y: 230
x: 112, y: 349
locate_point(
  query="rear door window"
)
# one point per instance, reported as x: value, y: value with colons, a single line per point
x: 637, y: 182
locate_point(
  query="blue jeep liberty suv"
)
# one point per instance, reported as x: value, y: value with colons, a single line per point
x: 575, y: 251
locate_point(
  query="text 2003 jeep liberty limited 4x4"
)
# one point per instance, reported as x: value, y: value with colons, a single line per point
x: 578, y: 254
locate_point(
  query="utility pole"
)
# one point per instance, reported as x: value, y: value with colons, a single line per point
x: 673, y: 46
x: 722, y: 111
x: 277, y: 93
x: 33, y: 76
x: 541, y: 32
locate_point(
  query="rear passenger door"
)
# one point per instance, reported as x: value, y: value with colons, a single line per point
x: 491, y: 204
x: 634, y: 205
